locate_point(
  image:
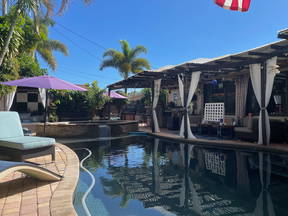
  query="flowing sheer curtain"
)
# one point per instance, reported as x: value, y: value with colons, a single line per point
x: 193, y: 86
x: 8, y: 100
x: 241, y: 85
x: 255, y: 74
x: 42, y: 93
x: 157, y: 85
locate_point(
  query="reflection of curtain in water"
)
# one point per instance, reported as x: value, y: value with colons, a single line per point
x: 196, y: 201
x: 243, y: 184
x: 187, y: 186
x: 264, y: 205
x: 155, y: 172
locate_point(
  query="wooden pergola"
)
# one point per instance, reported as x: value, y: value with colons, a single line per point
x: 223, y: 67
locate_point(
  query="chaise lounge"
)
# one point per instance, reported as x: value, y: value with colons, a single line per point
x: 18, y: 147
x: 8, y: 167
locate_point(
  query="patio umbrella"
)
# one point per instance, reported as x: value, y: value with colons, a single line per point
x: 44, y: 82
x: 115, y: 95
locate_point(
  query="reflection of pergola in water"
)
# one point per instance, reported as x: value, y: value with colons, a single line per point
x: 175, y: 190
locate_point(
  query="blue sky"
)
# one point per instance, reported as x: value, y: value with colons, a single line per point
x: 173, y: 31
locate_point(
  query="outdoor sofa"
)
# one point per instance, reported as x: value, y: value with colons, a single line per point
x: 249, y: 129
x: 18, y: 147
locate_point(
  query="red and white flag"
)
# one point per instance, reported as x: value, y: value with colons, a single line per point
x: 237, y: 5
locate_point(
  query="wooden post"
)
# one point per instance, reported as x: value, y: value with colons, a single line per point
x: 109, y: 104
x: 263, y: 96
x: 185, y: 82
x: 152, y: 122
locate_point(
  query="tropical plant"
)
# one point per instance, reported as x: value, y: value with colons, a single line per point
x: 96, y: 98
x: 17, y: 39
x: 125, y: 61
x: 9, y: 70
x: 45, y: 46
x: 70, y: 103
x: 24, y: 7
x: 28, y: 67
x: 147, y: 97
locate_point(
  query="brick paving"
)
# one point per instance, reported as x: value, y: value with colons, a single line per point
x: 23, y: 195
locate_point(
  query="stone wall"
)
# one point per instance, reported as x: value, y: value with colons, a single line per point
x: 84, y: 130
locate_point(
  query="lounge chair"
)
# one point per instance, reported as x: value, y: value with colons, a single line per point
x: 8, y: 167
x: 14, y: 144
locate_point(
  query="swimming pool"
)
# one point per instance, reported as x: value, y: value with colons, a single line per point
x: 148, y: 176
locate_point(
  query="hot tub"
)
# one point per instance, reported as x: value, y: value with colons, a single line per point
x: 87, y: 129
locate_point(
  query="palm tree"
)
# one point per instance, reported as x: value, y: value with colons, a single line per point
x: 4, y: 7
x: 125, y: 61
x: 25, y: 7
x: 45, y: 46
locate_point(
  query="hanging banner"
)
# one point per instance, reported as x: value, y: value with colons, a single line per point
x: 236, y: 5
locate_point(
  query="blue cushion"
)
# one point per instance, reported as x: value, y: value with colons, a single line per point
x: 10, y: 125
x: 26, y: 142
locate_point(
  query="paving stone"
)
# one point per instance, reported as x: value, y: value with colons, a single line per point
x: 26, y: 196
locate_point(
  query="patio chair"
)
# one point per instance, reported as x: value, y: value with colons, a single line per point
x: 18, y: 147
x: 213, y: 114
x: 8, y: 167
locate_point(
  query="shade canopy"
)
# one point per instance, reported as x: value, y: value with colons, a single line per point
x: 47, y: 82
x: 115, y: 95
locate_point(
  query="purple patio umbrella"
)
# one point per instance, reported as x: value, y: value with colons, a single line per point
x: 45, y: 82
x: 115, y: 95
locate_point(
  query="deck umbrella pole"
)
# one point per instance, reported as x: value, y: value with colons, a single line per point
x: 109, y: 104
x: 152, y: 122
x: 46, y: 111
x: 263, y: 105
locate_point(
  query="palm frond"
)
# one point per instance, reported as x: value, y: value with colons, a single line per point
x: 53, y: 45
x: 125, y: 48
x: 108, y: 63
x: 139, y: 64
x: 49, y: 7
x: 137, y: 50
x: 65, y: 3
x: 48, y: 57
x: 112, y: 53
x: 63, y: 6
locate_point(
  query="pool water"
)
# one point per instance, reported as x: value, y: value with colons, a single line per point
x: 150, y: 177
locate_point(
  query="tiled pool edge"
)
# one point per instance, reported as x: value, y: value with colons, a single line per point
x: 62, y: 199
x: 274, y: 148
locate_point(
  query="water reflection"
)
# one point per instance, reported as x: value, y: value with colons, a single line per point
x: 188, y: 179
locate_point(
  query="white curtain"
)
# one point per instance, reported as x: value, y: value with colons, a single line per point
x: 181, y: 90
x: 241, y: 85
x: 193, y: 85
x: 255, y: 74
x: 42, y: 93
x: 157, y: 85
x: 8, y: 100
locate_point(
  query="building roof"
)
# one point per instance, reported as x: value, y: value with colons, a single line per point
x: 283, y: 34
x: 228, y: 65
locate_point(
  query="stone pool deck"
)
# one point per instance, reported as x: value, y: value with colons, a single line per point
x: 22, y: 195
x: 173, y: 135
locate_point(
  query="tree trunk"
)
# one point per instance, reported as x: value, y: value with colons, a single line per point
x: 8, y: 39
x: 4, y: 7
x: 126, y: 75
